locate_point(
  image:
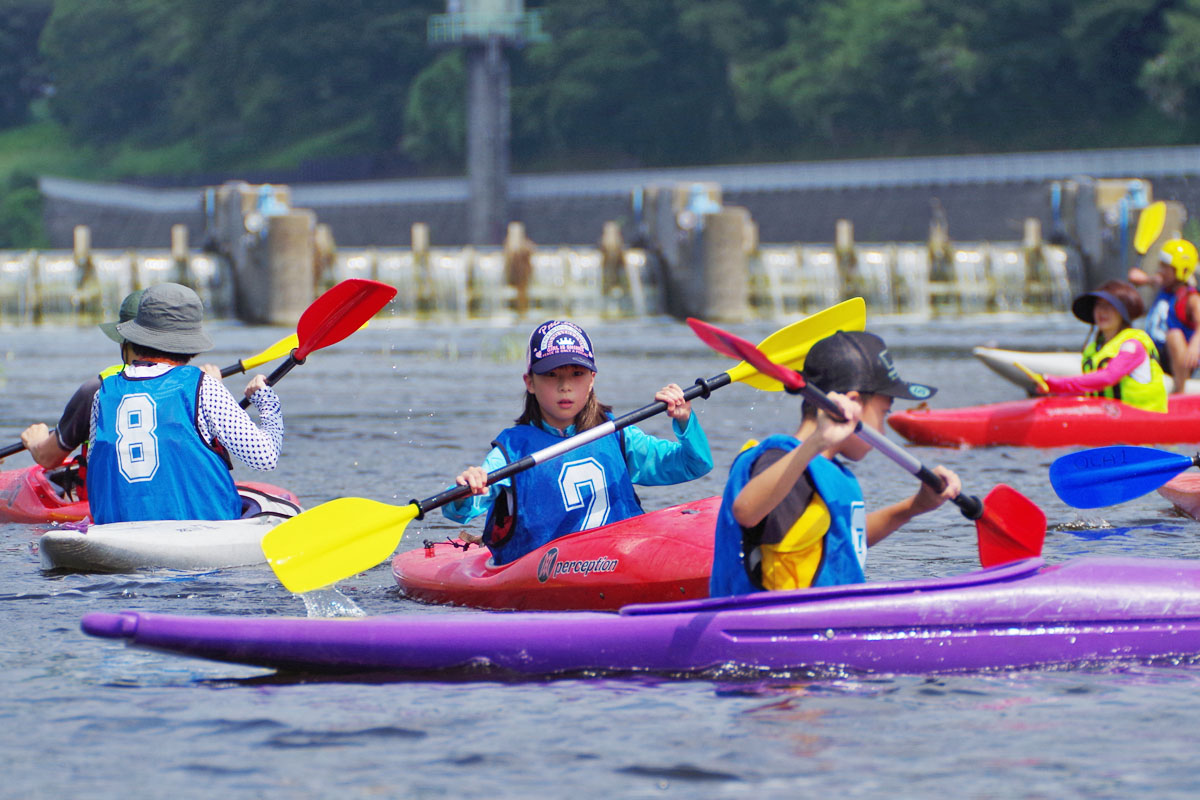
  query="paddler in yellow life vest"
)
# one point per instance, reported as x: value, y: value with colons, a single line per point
x: 1121, y: 361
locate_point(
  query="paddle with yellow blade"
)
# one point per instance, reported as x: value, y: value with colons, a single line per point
x: 1149, y: 226
x: 1038, y: 380
x: 344, y: 537
x: 1010, y: 527
x: 339, y: 312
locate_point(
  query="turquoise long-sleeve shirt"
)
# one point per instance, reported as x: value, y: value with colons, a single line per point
x: 651, y: 462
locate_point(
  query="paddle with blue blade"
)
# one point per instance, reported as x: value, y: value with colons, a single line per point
x: 1107, y: 476
x: 1010, y: 526
x: 349, y: 535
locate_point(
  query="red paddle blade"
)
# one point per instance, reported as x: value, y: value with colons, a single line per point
x: 339, y: 312
x: 733, y: 346
x: 1011, y: 528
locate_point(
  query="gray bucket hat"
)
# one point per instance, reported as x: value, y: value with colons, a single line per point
x: 129, y: 307
x: 168, y: 318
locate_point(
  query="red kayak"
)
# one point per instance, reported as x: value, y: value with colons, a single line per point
x: 1051, y: 422
x: 1184, y: 491
x: 37, y: 495
x: 653, y: 558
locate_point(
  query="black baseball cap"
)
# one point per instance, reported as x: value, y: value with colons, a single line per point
x: 858, y: 361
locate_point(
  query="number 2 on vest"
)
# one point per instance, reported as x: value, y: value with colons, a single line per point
x: 575, y: 475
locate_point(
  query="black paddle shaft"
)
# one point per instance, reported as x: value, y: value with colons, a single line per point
x: 971, y: 506
x: 273, y: 378
x: 701, y: 388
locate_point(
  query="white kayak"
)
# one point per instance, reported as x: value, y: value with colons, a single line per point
x: 167, y: 544
x: 1003, y: 363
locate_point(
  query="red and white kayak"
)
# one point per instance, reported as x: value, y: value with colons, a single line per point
x: 658, y: 557
x: 1051, y: 422
x: 37, y: 495
x: 1184, y: 491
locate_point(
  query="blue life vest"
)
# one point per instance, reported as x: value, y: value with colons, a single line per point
x: 148, y: 461
x: 845, y: 543
x: 587, y: 488
x: 1156, y: 319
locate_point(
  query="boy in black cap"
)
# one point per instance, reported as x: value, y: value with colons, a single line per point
x: 792, y: 515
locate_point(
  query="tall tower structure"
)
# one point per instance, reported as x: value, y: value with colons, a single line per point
x: 486, y: 28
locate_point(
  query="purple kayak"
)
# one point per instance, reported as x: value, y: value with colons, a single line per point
x: 1021, y: 615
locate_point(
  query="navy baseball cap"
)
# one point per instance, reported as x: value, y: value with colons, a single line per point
x: 558, y: 343
x: 859, y: 361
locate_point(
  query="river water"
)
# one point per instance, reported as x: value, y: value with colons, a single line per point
x: 393, y: 413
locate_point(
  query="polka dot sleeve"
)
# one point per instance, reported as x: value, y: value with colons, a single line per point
x: 219, y: 416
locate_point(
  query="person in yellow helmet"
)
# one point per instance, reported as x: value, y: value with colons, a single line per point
x: 1174, y: 316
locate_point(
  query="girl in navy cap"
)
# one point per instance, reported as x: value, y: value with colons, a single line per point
x: 792, y: 515
x: 591, y: 485
x: 1121, y: 361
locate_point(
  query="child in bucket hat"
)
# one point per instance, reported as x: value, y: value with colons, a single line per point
x: 551, y: 500
x: 50, y: 448
x: 792, y: 514
x: 162, y: 431
x: 1120, y: 361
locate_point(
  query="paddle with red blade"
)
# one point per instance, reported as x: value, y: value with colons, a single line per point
x: 278, y: 350
x: 1010, y: 527
x: 333, y: 316
x: 1106, y: 476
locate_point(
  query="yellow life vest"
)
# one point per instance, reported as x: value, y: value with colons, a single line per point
x: 1144, y: 387
x: 793, y: 563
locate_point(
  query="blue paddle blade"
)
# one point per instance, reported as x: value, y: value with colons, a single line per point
x: 1106, y: 476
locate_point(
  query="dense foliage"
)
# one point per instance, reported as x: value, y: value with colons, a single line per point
x: 224, y: 83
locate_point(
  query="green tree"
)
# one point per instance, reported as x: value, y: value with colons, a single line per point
x: 22, y: 75
x: 624, y: 80
x: 21, y: 214
x: 109, y: 76
x: 1172, y: 77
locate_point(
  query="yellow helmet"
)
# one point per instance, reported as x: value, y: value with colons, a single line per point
x: 1180, y: 254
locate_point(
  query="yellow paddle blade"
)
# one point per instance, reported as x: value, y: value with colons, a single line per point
x: 334, y: 540
x: 1033, y: 376
x: 1149, y: 226
x: 790, y: 345
x: 278, y: 350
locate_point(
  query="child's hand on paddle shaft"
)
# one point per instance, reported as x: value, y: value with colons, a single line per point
x: 927, y: 499
x: 256, y: 383
x: 475, y: 478
x: 677, y: 407
x: 831, y: 433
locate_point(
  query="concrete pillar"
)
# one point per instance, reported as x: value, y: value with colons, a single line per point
x: 420, y: 241
x: 720, y: 273
x: 612, y: 257
x: 275, y: 283
x: 179, y: 255
x: 89, y: 296
x: 518, y: 264
x: 488, y: 135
